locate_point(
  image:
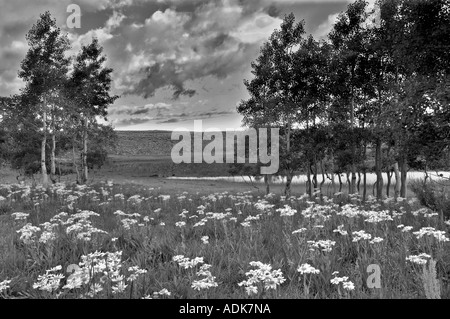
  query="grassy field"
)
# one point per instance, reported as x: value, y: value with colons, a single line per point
x: 148, y: 154
x: 132, y: 241
x: 134, y: 233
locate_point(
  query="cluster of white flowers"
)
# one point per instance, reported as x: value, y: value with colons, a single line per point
x: 396, y: 214
x: 119, y: 196
x: 135, y: 200
x: 82, y: 215
x: 157, y: 294
x: 28, y: 233
x: 48, y: 235
x: 77, y: 224
x: 122, y: 214
x: 184, y: 213
x: 349, y: 211
x: 71, y: 199
x: 135, y: 272
x: 377, y: 216
x: 270, y: 195
x: 180, y: 224
x: 164, y: 197
x: 119, y: 286
x: 82, y: 229
x: 20, y: 216
x: 264, y: 206
x: 218, y: 216
x: 360, y: 235
x: 324, y: 245
x: 163, y: 292
x: 4, y: 285
x: 376, y: 240
x: 307, y: 269
x: 50, y: 281
x: 303, y: 197
x: 420, y: 259
x: 128, y: 222
x: 405, y: 228
x: 208, y: 280
x: 340, y: 230
x: 427, y: 213
x: 201, y: 222
x: 59, y: 218
x: 252, y: 218
x: 104, y: 192
x: 286, y: 211
x: 348, y: 285
x: 299, y: 231
x: 186, y: 262
x: 130, y: 219
x: 430, y: 231
x: 317, y: 212
x: 147, y: 219
x: 205, y: 240
x: 264, y: 274
x: 107, y: 266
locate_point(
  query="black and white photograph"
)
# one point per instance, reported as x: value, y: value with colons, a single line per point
x: 221, y: 156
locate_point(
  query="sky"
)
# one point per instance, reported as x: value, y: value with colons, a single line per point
x: 174, y: 61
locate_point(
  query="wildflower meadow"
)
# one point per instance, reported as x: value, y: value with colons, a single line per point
x: 108, y: 241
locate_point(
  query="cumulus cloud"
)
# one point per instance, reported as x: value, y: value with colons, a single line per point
x: 177, y: 47
x: 164, y: 115
x: 324, y: 29
x: 157, y: 109
x: 162, y: 49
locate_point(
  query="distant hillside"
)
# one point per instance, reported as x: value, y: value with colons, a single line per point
x: 150, y: 143
x: 147, y: 154
x: 134, y: 143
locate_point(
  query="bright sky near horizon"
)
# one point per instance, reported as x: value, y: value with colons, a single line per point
x: 160, y: 47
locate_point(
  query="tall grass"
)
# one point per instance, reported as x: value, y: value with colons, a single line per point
x: 433, y: 194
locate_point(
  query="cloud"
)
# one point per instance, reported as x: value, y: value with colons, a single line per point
x: 257, y: 29
x: 324, y: 29
x: 171, y: 48
x: 130, y: 122
x: 147, y: 109
x: 169, y: 121
x: 164, y: 50
x: 213, y: 114
x: 160, y: 44
x: 143, y: 114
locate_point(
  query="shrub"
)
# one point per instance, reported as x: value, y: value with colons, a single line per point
x: 434, y: 195
x: 97, y: 158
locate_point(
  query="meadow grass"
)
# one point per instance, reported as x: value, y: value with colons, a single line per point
x: 129, y: 241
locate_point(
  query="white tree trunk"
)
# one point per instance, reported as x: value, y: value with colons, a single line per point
x: 43, y: 145
x: 397, y: 181
x: 52, y: 156
x: 85, y: 150
x: 74, y: 159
